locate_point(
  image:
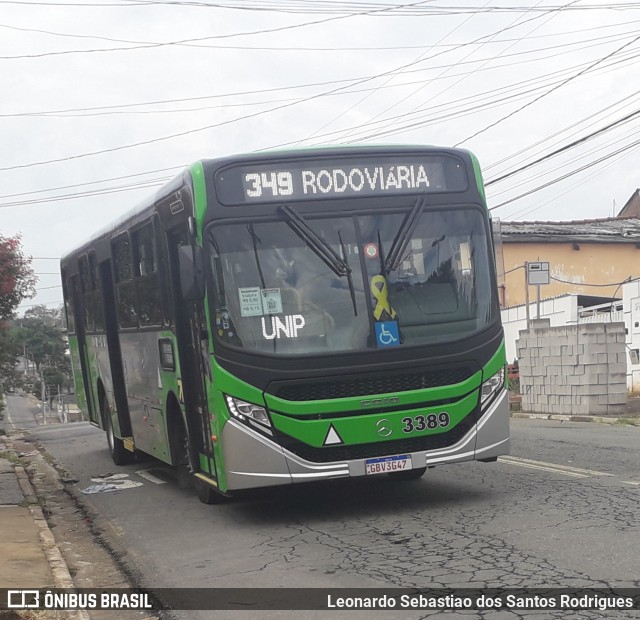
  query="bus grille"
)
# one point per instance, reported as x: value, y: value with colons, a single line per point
x: 345, y: 387
x: 383, y: 448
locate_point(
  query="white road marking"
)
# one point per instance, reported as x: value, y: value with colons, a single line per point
x: 633, y: 482
x: 565, y: 470
x: 145, y: 473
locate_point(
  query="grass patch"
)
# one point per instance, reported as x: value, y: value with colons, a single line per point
x: 49, y: 459
x: 38, y: 500
x: 626, y: 421
x: 9, y: 456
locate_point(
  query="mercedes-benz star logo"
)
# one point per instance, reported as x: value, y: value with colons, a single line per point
x: 384, y: 427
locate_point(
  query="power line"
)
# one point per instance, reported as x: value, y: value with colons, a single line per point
x: 592, y: 66
x: 289, y: 48
x: 97, y: 192
x: 566, y: 175
x: 566, y: 147
x: 381, y: 131
x: 118, y: 178
x: 219, y: 36
x: 597, y: 149
x: 594, y: 42
x: 529, y: 209
x: 42, y: 303
x: 471, y: 52
x: 561, y: 131
x: 197, y: 130
x: 430, y: 120
x: 150, y: 183
x: 389, y: 78
x: 586, y: 284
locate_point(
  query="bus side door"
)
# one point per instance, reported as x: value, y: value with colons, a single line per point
x: 191, y: 331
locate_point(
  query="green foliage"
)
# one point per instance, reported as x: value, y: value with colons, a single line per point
x: 41, y: 338
x: 43, y: 343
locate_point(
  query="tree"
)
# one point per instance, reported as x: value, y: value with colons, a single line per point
x: 50, y: 316
x: 17, y: 283
x: 38, y: 337
x: 44, y: 343
x: 17, y: 280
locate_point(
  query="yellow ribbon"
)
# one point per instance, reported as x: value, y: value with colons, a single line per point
x: 381, y: 293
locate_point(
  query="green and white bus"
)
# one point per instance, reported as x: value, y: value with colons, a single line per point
x: 294, y: 316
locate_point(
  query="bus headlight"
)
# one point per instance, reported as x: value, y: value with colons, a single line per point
x: 491, y: 387
x: 247, y: 412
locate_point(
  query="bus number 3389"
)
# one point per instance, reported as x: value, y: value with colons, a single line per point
x: 421, y: 422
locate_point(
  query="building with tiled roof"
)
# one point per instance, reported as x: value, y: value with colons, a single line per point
x: 586, y: 257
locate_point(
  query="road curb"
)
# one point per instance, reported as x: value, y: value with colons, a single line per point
x: 59, y: 569
x: 105, y: 533
x: 630, y: 421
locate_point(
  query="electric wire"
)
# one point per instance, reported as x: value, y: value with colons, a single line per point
x: 555, y: 88
x: 564, y: 176
x: 452, y: 85
x: 118, y: 107
x: 208, y: 38
x: 566, y: 147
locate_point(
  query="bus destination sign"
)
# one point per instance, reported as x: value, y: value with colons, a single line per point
x: 296, y: 180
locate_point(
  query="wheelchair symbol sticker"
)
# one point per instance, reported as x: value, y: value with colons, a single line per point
x: 387, y: 334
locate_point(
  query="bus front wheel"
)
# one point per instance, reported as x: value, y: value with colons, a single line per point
x: 208, y: 494
x: 119, y: 454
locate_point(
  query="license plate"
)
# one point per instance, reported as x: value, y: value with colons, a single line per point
x: 388, y: 464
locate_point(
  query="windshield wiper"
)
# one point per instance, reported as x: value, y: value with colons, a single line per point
x: 402, y: 238
x: 322, y: 249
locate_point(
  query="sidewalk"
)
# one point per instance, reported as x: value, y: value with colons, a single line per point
x: 630, y: 419
x: 30, y: 555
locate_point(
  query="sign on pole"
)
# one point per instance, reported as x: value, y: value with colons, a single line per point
x: 538, y: 273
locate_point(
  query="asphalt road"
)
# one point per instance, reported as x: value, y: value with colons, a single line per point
x: 561, y: 511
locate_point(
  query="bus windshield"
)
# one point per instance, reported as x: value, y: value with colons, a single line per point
x: 335, y: 284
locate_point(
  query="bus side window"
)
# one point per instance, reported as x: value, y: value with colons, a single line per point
x: 95, y: 304
x: 163, y: 271
x: 125, y: 288
x: 147, y: 281
x: 87, y: 297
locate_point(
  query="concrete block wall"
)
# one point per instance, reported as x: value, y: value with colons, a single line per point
x: 574, y: 369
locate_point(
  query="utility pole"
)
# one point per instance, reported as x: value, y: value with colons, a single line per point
x: 44, y: 396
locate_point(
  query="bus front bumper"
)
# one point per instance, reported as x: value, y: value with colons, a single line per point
x: 253, y: 460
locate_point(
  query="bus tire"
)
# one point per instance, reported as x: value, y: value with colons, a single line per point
x: 119, y: 454
x: 409, y: 474
x: 179, y: 446
x: 208, y: 494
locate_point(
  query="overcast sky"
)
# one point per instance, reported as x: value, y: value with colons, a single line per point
x: 104, y: 100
